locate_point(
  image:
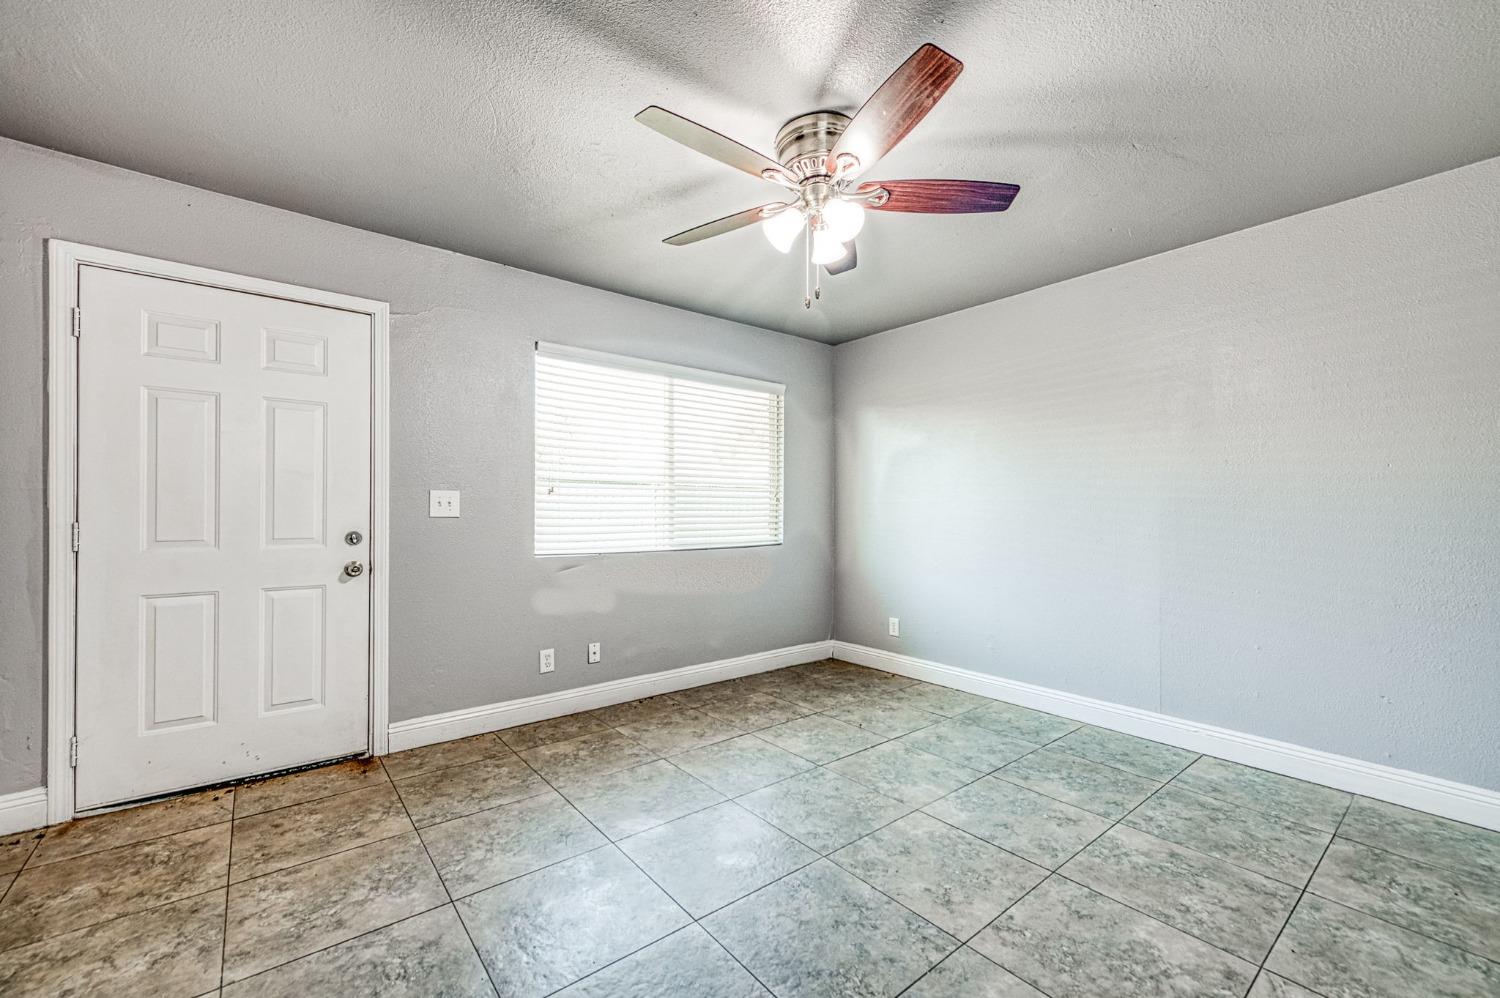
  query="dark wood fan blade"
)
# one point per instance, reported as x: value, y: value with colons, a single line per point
x: 943, y: 197
x: 843, y: 266
x: 896, y: 108
x: 719, y: 226
x: 709, y: 142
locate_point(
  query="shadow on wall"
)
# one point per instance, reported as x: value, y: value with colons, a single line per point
x: 597, y: 584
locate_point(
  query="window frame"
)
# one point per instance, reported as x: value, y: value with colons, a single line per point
x: 621, y: 362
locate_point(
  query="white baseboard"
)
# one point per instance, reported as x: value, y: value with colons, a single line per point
x: 1458, y: 801
x: 23, y: 811
x: 434, y: 728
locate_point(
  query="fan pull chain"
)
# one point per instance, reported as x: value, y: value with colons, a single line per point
x: 807, y: 264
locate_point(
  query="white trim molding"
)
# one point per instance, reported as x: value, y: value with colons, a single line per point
x: 435, y: 728
x: 23, y: 810
x: 1459, y: 801
x: 63, y: 262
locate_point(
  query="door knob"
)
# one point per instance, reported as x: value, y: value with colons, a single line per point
x: 354, y: 569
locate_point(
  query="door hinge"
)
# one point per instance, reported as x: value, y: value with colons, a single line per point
x: 73, y: 751
x: 77, y: 322
x: 76, y: 532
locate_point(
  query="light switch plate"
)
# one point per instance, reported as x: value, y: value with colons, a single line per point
x: 442, y: 502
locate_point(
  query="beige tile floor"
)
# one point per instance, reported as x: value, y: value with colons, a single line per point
x: 820, y: 830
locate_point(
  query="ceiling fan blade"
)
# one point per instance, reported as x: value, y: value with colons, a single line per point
x: 719, y: 226
x: 848, y: 262
x: 895, y: 109
x: 942, y: 197
x: 711, y: 144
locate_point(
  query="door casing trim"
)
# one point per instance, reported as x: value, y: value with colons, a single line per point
x: 63, y: 262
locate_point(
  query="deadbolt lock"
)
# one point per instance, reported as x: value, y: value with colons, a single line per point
x: 354, y: 569
x: 353, y: 537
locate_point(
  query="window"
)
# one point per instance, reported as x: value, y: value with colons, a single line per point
x: 633, y: 455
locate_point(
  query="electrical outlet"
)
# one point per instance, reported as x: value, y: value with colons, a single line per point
x: 593, y: 653
x: 549, y: 660
x: 893, y: 627
x: 442, y: 502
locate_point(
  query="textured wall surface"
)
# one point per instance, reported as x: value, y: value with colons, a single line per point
x: 470, y: 606
x: 505, y: 131
x: 1254, y: 482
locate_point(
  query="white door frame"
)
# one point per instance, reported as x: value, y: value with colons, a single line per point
x: 63, y: 262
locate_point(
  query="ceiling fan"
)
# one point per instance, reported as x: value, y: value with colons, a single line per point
x: 822, y: 155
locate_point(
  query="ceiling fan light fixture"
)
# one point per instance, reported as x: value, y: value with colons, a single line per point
x: 844, y: 218
x: 783, y: 228
x: 826, y: 247
x: 821, y: 158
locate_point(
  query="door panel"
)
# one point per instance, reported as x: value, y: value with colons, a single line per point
x: 182, y: 468
x: 179, y: 660
x: 224, y: 452
x: 296, y: 473
x: 294, y: 656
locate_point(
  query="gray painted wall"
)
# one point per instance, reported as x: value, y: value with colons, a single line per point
x: 470, y: 606
x: 1253, y: 482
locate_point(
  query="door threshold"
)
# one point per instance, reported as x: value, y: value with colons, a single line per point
x: 224, y: 785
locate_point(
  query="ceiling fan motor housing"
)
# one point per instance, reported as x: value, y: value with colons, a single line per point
x: 803, y: 144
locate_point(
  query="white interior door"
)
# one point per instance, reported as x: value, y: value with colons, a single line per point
x: 223, y: 455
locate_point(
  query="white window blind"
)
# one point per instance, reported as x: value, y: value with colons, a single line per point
x: 634, y: 455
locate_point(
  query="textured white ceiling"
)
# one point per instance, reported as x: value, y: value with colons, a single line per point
x: 503, y: 130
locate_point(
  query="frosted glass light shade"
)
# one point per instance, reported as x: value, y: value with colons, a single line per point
x: 826, y: 248
x: 782, y: 228
x: 844, y: 219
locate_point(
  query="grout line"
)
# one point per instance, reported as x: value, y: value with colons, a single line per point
x: 466, y: 814
x: 818, y: 855
x: 228, y: 871
x: 227, y: 886
x: 16, y: 873
x: 1278, y: 815
x: 324, y: 949
x: 610, y: 843
x: 1051, y: 872
x: 929, y: 970
x: 1301, y: 894
x: 1034, y: 985
x: 1119, y: 769
x: 1466, y: 874
x: 1219, y: 859
x: 106, y: 921
x: 1249, y: 962
x: 1397, y: 925
x: 1262, y: 972
x: 1274, y: 816
x: 1406, y: 859
x: 31, y: 864
x: 1194, y: 849
x: 506, y: 752
x: 310, y: 800
x: 315, y: 859
x: 1290, y: 913
x: 441, y: 882
x: 827, y: 856
x: 413, y: 823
